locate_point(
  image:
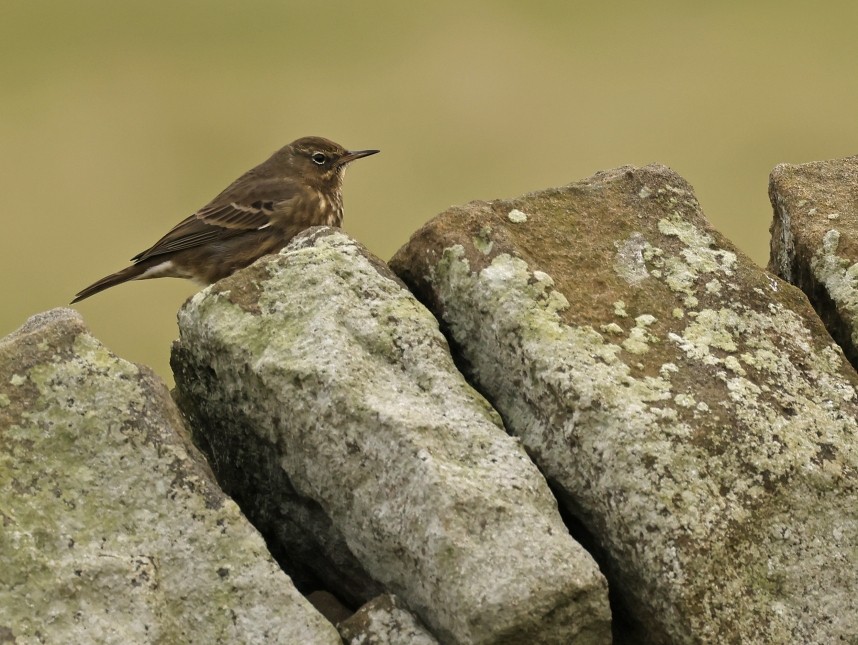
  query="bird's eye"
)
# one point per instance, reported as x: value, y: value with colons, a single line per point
x: 319, y: 158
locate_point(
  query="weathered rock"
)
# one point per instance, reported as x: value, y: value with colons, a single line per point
x: 329, y: 606
x: 690, y: 409
x: 814, y: 242
x: 113, y: 530
x: 384, y: 621
x: 317, y: 367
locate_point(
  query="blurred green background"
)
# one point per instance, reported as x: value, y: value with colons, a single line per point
x: 118, y: 119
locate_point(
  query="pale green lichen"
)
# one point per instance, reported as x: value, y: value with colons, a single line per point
x: 653, y: 255
x: 483, y: 241
x: 17, y: 380
x: 839, y: 276
x: 640, y: 338
x: 638, y: 341
x: 516, y: 216
x: 629, y: 261
x: 541, y: 276
x: 713, y: 328
x: 733, y: 364
x: 679, y: 276
x: 700, y: 256
x: 645, y: 320
x: 667, y: 188
x: 612, y: 328
x: 667, y: 369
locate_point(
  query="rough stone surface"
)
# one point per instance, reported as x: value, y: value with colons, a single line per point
x: 384, y: 621
x: 111, y: 527
x: 690, y: 410
x: 329, y: 606
x: 814, y: 241
x: 319, y: 357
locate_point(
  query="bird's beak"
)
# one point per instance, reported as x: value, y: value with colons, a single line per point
x: 355, y: 154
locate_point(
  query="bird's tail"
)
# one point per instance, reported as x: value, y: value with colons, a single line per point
x: 145, y: 269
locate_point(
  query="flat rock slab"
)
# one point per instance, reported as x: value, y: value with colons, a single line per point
x: 113, y: 530
x: 318, y: 367
x: 690, y: 409
x: 814, y: 242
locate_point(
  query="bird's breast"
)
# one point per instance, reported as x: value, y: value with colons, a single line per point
x: 331, y: 209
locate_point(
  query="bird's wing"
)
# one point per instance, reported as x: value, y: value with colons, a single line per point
x: 237, y: 210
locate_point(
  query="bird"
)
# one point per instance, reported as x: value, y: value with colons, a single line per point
x: 299, y: 186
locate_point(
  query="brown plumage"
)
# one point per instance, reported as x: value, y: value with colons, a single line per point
x: 299, y: 186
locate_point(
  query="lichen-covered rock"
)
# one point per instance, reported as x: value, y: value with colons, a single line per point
x: 384, y: 621
x: 814, y: 242
x: 318, y: 368
x: 111, y: 527
x: 690, y: 409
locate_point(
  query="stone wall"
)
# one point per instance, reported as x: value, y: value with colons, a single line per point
x: 579, y: 416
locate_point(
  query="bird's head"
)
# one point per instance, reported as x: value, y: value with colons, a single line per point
x: 321, y: 161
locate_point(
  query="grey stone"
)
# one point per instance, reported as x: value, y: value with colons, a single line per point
x: 689, y: 408
x: 321, y: 360
x: 384, y: 621
x: 113, y: 530
x: 814, y: 242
